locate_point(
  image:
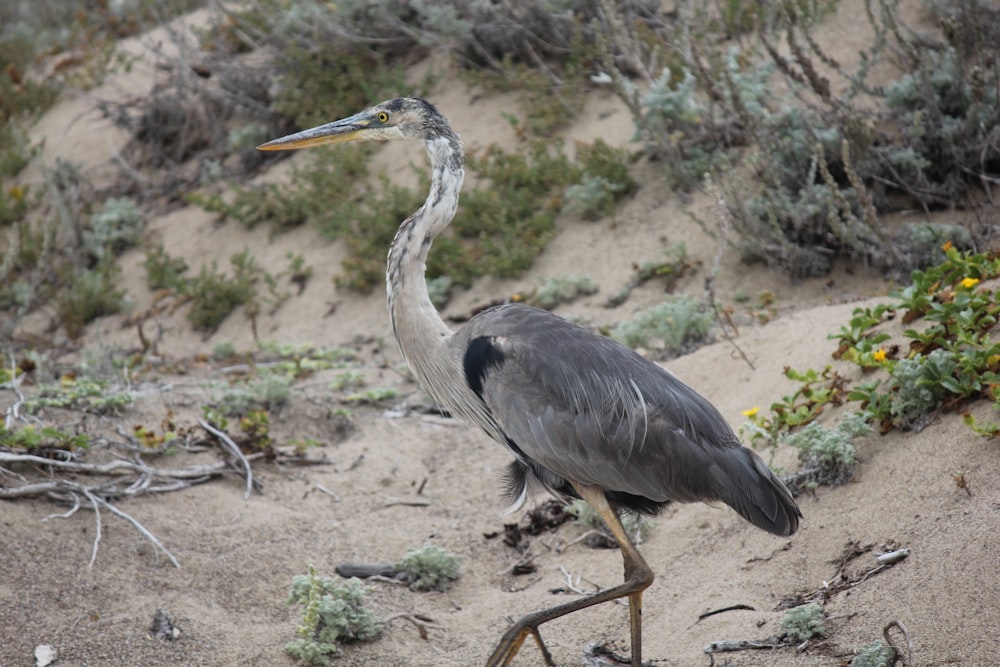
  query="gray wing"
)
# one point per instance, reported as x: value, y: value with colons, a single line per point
x: 590, y: 410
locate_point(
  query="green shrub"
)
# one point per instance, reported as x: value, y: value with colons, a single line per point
x: 267, y: 392
x: 82, y: 394
x: 917, y: 387
x: 605, y: 181
x: 333, y: 614
x: 14, y: 203
x: 15, y: 153
x: 164, y: 271
x: 804, y: 622
x: 40, y: 441
x: 823, y: 165
x: 429, y: 568
x: 557, y: 290
x: 875, y: 654
x: 676, y: 325
x: 321, y: 71
x: 214, y: 296
x: 87, y: 295
x: 829, y: 454
x: 114, y: 229
x: 439, y: 290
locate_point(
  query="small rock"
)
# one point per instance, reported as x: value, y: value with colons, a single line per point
x: 162, y: 627
x: 45, y: 655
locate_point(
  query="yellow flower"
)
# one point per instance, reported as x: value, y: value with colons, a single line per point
x: 969, y: 282
x: 751, y: 412
x: 947, y: 246
x: 878, y: 355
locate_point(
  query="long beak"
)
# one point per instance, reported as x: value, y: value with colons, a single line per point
x: 339, y: 131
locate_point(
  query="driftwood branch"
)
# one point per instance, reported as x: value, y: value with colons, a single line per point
x: 111, y: 480
x: 742, y: 645
x: 906, y: 658
x: 97, y: 521
x: 422, y: 623
x: 68, y: 492
x: 142, y: 529
x: 14, y: 385
x: 118, y: 467
x: 233, y: 449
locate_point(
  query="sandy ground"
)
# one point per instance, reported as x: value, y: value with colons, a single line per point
x: 238, y: 557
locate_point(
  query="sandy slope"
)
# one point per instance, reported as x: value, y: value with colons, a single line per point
x: 238, y: 557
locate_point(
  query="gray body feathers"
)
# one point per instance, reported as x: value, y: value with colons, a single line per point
x: 579, y: 406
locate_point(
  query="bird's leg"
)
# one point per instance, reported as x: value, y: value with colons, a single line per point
x: 638, y: 577
x: 637, y: 572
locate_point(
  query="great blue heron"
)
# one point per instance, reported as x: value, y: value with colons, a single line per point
x: 583, y: 415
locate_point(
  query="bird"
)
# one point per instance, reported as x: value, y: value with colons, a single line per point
x: 583, y: 415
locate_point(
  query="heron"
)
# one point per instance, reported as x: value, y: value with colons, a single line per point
x: 582, y: 415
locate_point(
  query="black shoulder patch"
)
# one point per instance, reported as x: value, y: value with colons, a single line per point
x: 481, y: 356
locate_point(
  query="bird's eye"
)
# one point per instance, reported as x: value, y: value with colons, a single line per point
x: 382, y: 117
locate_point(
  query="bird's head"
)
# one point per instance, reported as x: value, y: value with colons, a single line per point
x: 399, y: 119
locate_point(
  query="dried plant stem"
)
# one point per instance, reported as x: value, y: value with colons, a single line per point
x: 11, y: 414
x: 192, y: 474
x: 138, y: 526
x: 127, y: 479
x: 233, y: 449
x: 907, y: 658
x: 725, y: 223
x: 66, y: 491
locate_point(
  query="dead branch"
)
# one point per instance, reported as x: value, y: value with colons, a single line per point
x: 725, y: 224
x: 142, y: 529
x: 422, y: 623
x: 591, y: 536
x: 906, y: 659
x: 574, y: 586
x: 366, y: 570
x: 97, y: 520
x: 405, y: 502
x: 233, y: 449
x: 740, y: 645
x: 735, y: 607
x: 69, y: 492
x: 521, y: 566
x: 843, y: 580
x: 323, y: 489
x: 14, y: 385
x: 118, y: 467
x: 119, y: 478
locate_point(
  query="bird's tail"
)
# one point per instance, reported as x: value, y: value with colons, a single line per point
x: 757, y: 494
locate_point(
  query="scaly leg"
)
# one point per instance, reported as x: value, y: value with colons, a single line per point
x: 638, y: 577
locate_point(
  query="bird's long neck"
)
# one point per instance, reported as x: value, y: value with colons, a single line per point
x: 416, y: 324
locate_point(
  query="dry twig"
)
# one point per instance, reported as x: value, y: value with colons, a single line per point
x: 233, y: 449
x: 422, y: 623
x: 907, y: 658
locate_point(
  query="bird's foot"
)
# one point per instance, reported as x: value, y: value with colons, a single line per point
x: 511, y: 642
x: 603, y: 655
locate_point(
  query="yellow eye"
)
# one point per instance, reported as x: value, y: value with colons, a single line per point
x: 382, y: 117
